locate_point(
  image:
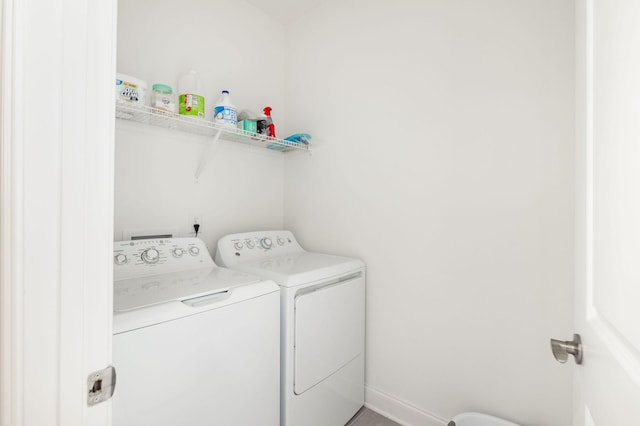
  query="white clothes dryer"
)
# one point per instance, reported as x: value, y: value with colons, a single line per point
x: 194, y: 344
x: 322, y: 324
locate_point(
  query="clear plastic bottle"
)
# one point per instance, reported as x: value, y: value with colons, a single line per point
x: 190, y: 100
x: 225, y: 113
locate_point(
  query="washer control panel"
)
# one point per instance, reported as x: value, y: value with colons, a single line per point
x: 138, y: 258
x: 256, y: 245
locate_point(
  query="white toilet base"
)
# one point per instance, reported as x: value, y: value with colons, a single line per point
x: 478, y: 419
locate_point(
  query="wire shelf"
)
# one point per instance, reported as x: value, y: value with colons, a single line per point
x: 199, y: 126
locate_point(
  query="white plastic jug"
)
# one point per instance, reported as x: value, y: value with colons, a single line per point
x: 225, y: 113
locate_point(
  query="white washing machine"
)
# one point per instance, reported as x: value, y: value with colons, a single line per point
x: 323, y: 324
x: 193, y: 344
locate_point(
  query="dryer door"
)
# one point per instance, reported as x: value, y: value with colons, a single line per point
x: 329, y: 329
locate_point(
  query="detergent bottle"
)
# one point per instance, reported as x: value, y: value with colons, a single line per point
x: 225, y: 113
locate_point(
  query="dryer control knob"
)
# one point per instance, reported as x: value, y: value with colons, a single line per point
x: 280, y: 241
x: 250, y: 244
x: 177, y: 252
x: 237, y: 245
x: 266, y: 243
x: 120, y: 259
x: 194, y: 251
x: 150, y: 255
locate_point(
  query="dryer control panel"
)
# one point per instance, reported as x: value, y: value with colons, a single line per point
x: 139, y: 258
x: 257, y: 245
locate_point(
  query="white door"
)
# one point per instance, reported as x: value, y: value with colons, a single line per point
x: 57, y: 71
x: 607, y: 384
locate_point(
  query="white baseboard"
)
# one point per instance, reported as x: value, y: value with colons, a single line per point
x: 399, y: 411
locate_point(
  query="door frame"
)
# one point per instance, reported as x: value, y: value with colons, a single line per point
x: 56, y: 208
x: 11, y: 323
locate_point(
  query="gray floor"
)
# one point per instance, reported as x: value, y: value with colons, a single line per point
x: 366, y: 417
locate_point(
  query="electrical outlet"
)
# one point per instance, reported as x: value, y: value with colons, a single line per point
x: 195, y: 218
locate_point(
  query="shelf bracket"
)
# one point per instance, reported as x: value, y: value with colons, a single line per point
x: 204, y: 157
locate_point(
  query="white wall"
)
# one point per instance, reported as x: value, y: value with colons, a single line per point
x: 232, y: 46
x: 445, y: 136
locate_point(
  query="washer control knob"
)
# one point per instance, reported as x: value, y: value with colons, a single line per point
x: 266, y: 243
x: 194, y: 251
x: 120, y: 259
x: 237, y: 245
x: 280, y: 241
x: 177, y: 252
x: 250, y: 244
x: 150, y: 255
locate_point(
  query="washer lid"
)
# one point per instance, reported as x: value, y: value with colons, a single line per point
x: 135, y: 293
x: 290, y: 270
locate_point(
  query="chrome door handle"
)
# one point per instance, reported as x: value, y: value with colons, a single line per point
x: 562, y: 349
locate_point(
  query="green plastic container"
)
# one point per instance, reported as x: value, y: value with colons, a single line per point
x: 191, y: 105
x: 189, y: 102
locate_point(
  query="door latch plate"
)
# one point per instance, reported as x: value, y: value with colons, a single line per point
x: 101, y: 385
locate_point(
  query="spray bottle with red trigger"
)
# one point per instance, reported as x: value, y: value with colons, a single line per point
x: 271, y: 128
